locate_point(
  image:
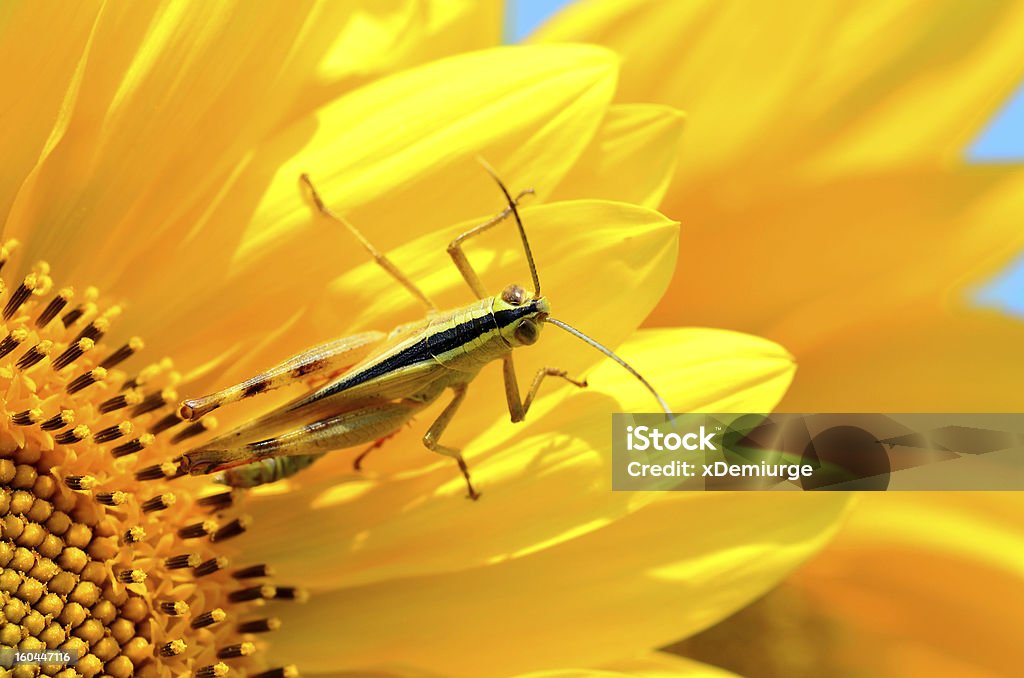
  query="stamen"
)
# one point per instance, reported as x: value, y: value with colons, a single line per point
x: 196, y: 530
x: 159, y: 502
x: 55, y: 306
x: 59, y: 420
x: 85, y: 380
x: 113, y: 432
x: 12, y: 341
x: 155, y: 400
x: 147, y: 374
x: 175, y: 608
x: 210, y: 566
x: 295, y: 593
x: 131, y: 576
x: 134, y: 535
x: 165, y: 471
x: 35, y: 354
x: 169, y: 421
x: 27, y: 417
x: 217, y: 502
x: 116, y: 498
x: 132, y: 446
x: 263, y: 592
x: 21, y: 295
x: 214, y: 616
x: 94, y: 330
x: 72, y: 436
x: 80, y: 482
x: 173, y: 648
x: 217, y: 670
x: 129, y: 349
x: 232, y: 529
x: 182, y: 561
x: 202, y: 426
x: 73, y: 315
x: 73, y: 353
x: 253, y: 572
x: 234, y: 651
x: 260, y: 625
x: 132, y: 397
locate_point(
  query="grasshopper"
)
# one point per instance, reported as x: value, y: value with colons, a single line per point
x: 392, y: 377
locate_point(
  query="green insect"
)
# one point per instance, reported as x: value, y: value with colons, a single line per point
x: 392, y: 377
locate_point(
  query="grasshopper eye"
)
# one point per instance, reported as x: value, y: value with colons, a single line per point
x: 527, y: 333
x: 514, y: 294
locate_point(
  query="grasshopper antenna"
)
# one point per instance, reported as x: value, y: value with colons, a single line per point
x: 579, y: 335
x: 519, y: 223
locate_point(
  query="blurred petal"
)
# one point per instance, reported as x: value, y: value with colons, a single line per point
x: 829, y: 254
x: 395, y: 155
x: 933, y: 360
x: 846, y: 81
x: 651, y: 665
x: 631, y: 158
x: 891, y: 595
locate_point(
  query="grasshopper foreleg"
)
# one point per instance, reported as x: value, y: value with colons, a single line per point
x: 378, y: 256
x: 326, y: 357
x: 430, y: 439
x: 459, y: 257
x: 517, y: 407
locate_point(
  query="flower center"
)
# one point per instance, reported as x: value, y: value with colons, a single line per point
x: 109, y: 551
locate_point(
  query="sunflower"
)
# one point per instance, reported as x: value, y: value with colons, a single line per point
x: 157, y: 244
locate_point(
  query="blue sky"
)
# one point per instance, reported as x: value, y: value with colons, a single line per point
x: 1002, y: 141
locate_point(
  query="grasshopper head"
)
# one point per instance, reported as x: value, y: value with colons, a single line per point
x: 519, y: 316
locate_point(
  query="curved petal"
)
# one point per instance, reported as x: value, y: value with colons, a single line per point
x: 398, y: 157
x: 673, y: 574
x: 632, y: 157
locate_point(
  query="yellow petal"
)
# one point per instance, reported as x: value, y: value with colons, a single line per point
x: 172, y: 101
x: 919, y: 358
x: 36, y: 80
x: 679, y: 566
x: 801, y: 262
x: 377, y: 39
x: 793, y: 83
x: 402, y: 545
x: 924, y: 600
x: 631, y: 158
x: 398, y: 158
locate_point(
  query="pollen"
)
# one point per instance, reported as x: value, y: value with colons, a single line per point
x: 107, y: 549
